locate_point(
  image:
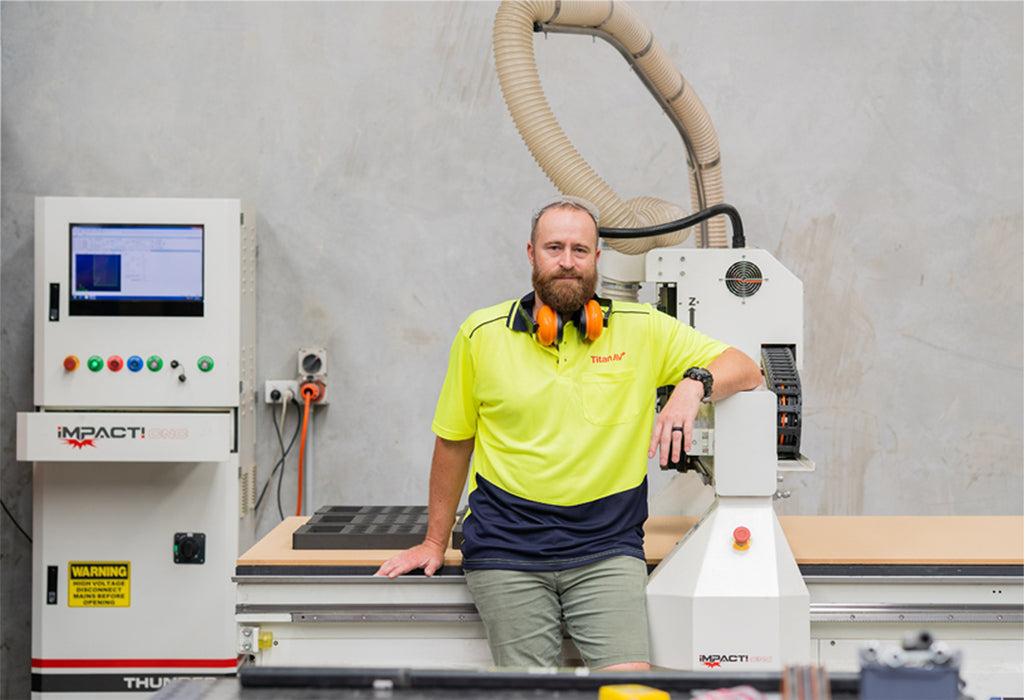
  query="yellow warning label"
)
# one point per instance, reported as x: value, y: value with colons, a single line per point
x: 99, y: 584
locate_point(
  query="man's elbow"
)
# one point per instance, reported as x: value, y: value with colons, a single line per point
x: 748, y: 372
x: 755, y: 380
x: 752, y: 374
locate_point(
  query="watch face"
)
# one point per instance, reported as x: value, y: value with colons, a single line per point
x: 703, y: 376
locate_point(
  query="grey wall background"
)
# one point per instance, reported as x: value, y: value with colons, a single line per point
x: 874, y: 148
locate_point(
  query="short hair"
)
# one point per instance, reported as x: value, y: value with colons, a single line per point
x: 559, y: 202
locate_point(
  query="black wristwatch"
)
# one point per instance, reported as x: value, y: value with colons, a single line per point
x: 704, y: 377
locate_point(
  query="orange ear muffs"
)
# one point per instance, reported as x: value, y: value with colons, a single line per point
x: 548, y: 325
x: 592, y: 320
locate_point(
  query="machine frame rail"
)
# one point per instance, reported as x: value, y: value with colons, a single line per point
x: 581, y: 679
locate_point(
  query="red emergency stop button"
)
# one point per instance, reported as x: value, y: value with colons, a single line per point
x: 70, y: 363
x: 115, y: 363
x: 741, y: 538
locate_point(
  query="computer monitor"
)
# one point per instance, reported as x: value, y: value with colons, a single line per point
x: 136, y: 269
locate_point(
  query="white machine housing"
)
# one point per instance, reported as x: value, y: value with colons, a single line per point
x: 716, y: 602
x: 132, y: 464
x: 719, y: 601
x: 741, y: 296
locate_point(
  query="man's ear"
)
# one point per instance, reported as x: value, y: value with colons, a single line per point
x: 529, y: 251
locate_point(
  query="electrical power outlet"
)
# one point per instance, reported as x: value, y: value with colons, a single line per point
x: 322, y: 400
x: 282, y: 386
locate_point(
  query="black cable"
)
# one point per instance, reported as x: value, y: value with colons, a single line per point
x: 16, y: 523
x: 284, y: 453
x: 280, y: 462
x: 738, y: 239
x: 280, y: 474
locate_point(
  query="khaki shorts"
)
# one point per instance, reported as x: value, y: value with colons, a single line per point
x: 602, y: 607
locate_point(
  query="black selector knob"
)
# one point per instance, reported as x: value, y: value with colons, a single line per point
x: 189, y: 548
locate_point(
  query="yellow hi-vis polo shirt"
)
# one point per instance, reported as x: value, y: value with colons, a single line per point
x: 559, y: 472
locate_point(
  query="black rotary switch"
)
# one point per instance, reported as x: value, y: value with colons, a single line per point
x: 189, y: 548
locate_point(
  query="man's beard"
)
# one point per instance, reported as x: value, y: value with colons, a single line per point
x: 566, y: 296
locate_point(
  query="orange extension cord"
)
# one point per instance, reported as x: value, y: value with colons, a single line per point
x: 311, y: 391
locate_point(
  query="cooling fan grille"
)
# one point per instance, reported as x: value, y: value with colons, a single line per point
x: 743, y: 279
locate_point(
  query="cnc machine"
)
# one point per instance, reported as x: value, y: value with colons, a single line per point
x: 732, y: 591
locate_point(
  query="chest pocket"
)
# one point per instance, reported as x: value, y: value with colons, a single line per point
x: 610, y: 398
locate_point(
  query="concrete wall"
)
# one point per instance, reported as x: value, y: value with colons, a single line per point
x: 874, y: 148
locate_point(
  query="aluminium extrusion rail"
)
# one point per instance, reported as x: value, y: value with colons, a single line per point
x: 924, y: 613
x: 820, y: 612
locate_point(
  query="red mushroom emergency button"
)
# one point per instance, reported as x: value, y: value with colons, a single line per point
x: 741, y: 538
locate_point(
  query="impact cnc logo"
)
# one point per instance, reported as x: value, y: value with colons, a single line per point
x: 83, y: 436
x: 715, y: 660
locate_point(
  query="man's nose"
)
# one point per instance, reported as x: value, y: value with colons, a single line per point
x: 566, y: 259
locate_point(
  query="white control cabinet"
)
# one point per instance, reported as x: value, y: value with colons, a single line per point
x: 141, y: 441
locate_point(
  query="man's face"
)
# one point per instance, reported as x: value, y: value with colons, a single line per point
x: 564, y: 256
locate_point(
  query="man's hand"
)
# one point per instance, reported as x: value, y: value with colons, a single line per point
x: 732, y: 370
x: 428, y: 555
x: 448, y: 470
x: 673, y: 429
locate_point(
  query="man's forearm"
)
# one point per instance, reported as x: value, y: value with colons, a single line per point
x: 733, y: 371
x: 448, y: 470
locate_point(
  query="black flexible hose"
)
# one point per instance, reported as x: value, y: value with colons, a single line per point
x: 738, y: 240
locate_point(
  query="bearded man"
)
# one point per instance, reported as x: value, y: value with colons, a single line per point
x: 552, y: 395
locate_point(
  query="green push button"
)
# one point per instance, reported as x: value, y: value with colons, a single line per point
x: 154, y: 363
x: 205, y: 363
x: 95, y: 363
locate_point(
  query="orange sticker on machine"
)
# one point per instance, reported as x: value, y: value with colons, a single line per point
x: 99, y: 584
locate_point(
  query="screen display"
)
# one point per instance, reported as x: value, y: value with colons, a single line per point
x: 136, y: 270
